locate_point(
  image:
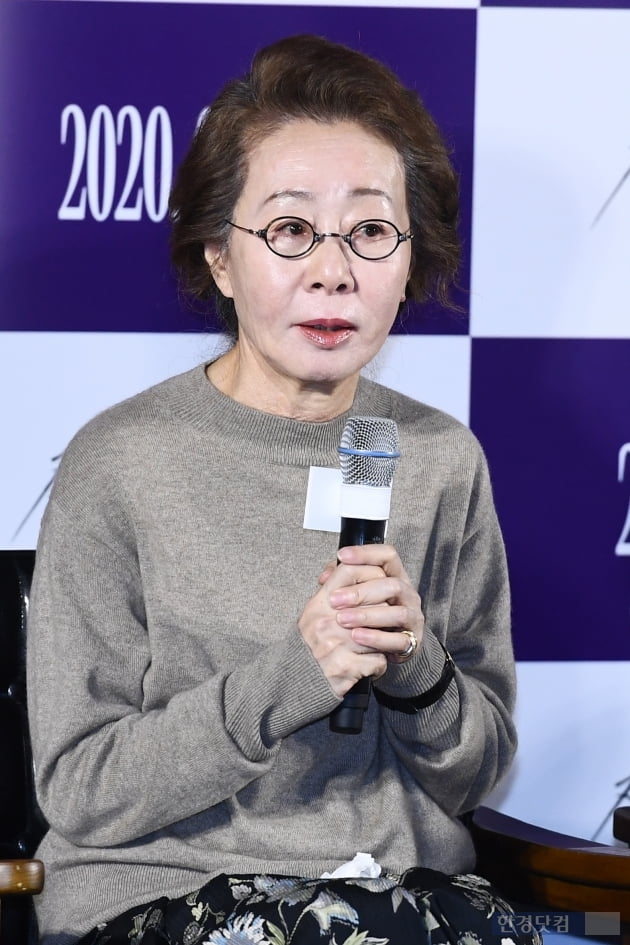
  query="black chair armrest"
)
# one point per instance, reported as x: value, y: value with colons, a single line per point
x: 621, y: 824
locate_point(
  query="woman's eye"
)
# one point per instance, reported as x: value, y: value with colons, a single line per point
x: 289, y: 228
x: 371, y: 230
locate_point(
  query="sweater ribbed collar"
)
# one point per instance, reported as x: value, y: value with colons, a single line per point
x: 199, y: 403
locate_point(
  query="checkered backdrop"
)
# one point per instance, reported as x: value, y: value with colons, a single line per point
x: 98, y: 101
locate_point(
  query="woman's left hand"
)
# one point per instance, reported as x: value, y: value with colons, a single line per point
x: 379, y: 613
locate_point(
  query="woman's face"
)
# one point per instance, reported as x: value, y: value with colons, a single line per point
x: 311, y: 323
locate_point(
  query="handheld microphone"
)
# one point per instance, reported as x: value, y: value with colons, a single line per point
x: 368, y: 452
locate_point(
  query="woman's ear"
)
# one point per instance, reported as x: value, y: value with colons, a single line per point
x: 405, y: 291
x: 217, y: 262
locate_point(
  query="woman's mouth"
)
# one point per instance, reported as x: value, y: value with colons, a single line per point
x: 326, y: 332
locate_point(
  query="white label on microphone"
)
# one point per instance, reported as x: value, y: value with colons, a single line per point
x: 322, y: 510
x: 368, y: 502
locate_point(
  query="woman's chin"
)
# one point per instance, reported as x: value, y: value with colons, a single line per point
x: 332, y: 366
x: 327, y: 380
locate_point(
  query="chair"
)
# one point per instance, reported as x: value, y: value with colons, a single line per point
x: 621, y: 824
x: 543, y: 870
x: 539, y: 869
x: 21, y: 823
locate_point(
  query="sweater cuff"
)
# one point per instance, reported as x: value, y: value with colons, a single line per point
x: 438, y: 725
x: 283, y: 690
x: 417, y: 675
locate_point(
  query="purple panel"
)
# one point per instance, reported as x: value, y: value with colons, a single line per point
x: 114, y: 275
x: 553, y: 416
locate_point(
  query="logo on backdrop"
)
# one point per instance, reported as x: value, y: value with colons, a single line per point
x: 623, y: 545
x: 122, y: 166
x: 37, y: 501
x: 610, y: 199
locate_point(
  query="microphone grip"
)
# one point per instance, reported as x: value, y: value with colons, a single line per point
x: 347, y: 718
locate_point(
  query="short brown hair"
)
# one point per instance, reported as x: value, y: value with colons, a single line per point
x: 308, y: 77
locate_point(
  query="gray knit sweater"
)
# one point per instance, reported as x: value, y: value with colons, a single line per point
x: 179, y: 721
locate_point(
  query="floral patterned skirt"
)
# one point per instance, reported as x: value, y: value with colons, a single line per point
x: 422, y: 907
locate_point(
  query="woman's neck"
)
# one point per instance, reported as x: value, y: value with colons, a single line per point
x: 286, y: 397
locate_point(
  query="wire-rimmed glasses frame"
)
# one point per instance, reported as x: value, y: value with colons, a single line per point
x: 293, y: 237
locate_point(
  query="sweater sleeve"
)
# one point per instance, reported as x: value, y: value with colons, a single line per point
x: 109, y: 771
x: 466, y: 739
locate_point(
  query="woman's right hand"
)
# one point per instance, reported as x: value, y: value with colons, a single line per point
x: 343, y: 661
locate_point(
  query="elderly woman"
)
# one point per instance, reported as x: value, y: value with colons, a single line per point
x: 190, y: 637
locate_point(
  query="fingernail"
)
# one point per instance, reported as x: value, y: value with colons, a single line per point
x: 346, y: 618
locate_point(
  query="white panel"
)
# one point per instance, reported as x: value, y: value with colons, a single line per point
x: 552, y: 142
x: 432, y: 368
x: 574, y: 745
x: 51, y: 384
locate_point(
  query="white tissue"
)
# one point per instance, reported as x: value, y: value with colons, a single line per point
x: 363, y: 865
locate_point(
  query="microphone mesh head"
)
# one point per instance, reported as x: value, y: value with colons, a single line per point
x: 368, y: 451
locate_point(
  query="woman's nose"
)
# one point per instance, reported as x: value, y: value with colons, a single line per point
x: 329, y: 265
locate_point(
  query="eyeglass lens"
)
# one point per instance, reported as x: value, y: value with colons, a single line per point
x: 372, y: 239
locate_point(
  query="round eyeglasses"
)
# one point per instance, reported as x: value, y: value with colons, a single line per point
x: 292, y: 237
